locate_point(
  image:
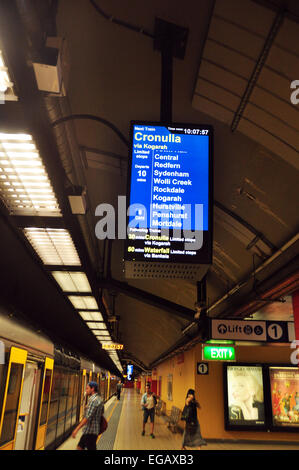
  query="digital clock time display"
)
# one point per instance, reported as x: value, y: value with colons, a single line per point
x: 196, y: 131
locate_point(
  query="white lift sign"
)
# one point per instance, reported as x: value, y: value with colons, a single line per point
x: 251, y: 330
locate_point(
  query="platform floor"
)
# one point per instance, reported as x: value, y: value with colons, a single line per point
x: 125, y: 425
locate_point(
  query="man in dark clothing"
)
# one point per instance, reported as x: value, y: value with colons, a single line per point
x: 118, y: 389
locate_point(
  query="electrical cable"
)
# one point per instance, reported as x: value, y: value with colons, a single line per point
x: 94, y: 118
x: 111, y: 18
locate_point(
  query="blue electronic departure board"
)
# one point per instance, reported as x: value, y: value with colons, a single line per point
x: 170, y: 193
x: 129, y: 371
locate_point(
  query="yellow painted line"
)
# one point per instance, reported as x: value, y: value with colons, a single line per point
x: 108, y: 419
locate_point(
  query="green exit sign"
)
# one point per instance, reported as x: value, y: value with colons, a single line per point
x: 218, y: 353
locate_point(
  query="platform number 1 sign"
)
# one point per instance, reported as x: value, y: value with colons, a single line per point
x: 277, y: 331
x: 202, y: 368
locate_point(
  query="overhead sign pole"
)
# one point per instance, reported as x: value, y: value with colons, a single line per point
x: 171, y: 40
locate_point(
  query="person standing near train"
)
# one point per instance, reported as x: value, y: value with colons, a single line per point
x: 119, y: 389
x: 92, y: 419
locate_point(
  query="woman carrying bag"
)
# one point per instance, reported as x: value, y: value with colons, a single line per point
x: 192, y: 435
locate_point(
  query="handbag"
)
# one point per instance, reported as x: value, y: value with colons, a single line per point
x: 103, y: 424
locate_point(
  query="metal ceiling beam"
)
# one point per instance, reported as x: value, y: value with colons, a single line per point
x: 258, y: 68
x: 257, y: 299
x: 258, y: 235
x: 37, y: 221
x: 255, y: 272
x: 148, y: 298
x: 274, y: 7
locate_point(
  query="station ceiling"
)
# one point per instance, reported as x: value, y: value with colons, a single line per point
x: 240, y: 61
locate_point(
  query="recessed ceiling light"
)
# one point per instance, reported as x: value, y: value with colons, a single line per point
x: 54, y: 246
x: 97, y: 326
x: 93, y: 316
x: 84, y: 302
x: 23, y: 178
x: 72, y: 281
x: 6, y: 85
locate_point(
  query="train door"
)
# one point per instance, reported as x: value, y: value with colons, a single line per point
x: 44, y: 404
x: 27, y: 407
x: 82, y: 392
x: 9, y: 417
x: 108, y: 387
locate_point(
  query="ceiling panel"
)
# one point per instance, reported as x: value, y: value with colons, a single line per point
x: 238, y: 43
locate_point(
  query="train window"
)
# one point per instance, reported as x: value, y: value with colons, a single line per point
x: 76, y: 399
x: 3, y: 371
x: 12, y: 403
x: 46, y: 394
x: 54, y: 407
x: 62, y: 403
x: 69, y: 402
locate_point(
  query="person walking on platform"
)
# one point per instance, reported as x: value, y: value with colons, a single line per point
x: 148, y: 402
x: 192, y: 435
x: 92, y: 419
x: 118, y: 389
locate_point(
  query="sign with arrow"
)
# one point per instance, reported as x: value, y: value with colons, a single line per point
x: 218, y: 353
x: 239, y: 330
x: 252, y: 330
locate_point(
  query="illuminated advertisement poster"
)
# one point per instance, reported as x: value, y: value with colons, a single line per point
x: 245, y: 396
x: 170, y: 193
x: 284, y: 383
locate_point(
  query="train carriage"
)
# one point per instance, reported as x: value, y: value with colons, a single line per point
x: 42, y: 387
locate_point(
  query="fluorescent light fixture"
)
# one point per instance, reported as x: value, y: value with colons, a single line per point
x: 93, y: 316
x: 84, y: 302
x: 24, y: 184
x: 6, y: 85
x: 96, y: 332
x: 5, y: 82
x: 97, y: 326
x: 54, y: 246
x: 72, y: 281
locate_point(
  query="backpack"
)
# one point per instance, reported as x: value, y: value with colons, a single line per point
x: 155, y: 399
x: 103, y: 424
